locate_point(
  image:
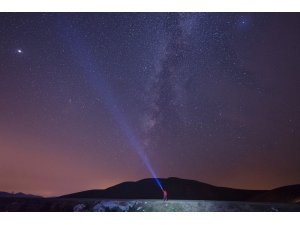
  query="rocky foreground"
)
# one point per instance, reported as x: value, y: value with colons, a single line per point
x: 138, y: 205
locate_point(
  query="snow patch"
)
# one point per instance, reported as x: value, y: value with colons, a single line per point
x: 78, y: 207
x: 98, y: 208
x: 113, y: 206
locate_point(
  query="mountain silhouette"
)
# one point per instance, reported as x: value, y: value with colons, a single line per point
x: 289, y: 193
x: 189, y: 190
x: 17, y: 195
x: 180, y: 189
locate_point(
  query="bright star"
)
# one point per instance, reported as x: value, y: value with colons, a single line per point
x: 19, y: 51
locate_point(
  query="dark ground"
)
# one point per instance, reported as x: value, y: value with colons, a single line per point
x: 139, y: 205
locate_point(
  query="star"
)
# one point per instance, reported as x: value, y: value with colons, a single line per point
x: 19, y: 51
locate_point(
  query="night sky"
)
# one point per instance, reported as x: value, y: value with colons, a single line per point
x: 89, y: 100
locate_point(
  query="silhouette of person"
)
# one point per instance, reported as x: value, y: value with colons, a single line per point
x: 165, y: 193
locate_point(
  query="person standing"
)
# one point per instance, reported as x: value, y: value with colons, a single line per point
x: 165, y: 194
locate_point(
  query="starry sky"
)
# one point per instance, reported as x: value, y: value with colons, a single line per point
x: 89, y: 100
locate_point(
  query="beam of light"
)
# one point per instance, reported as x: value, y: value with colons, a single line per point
x: 83, y: 58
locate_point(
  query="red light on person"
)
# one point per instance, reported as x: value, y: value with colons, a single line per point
x: 165, y: 193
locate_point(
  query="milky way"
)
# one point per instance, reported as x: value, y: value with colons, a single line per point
x: 209, y: 96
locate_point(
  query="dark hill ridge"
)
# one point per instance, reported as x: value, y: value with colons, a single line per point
x: 289, y: 193
x: 17, y: 195
x: 189, y: 190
